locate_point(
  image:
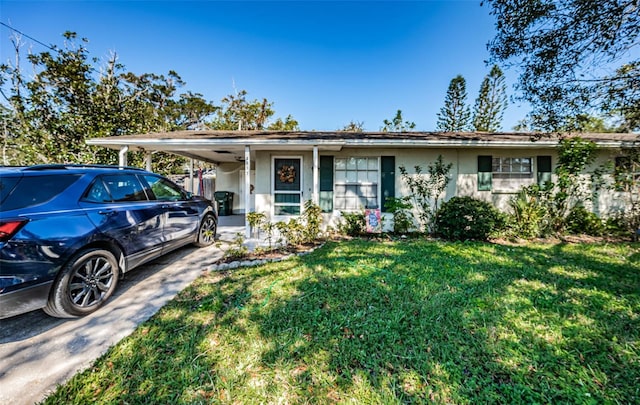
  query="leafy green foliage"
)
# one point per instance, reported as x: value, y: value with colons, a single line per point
x: 426, y: 191
x: 312, y: 218
x: 396, y: 124
x: 400, y: 208
x: 581, y: 221
x: 491, y: 102
x: 410, y: 322
x: 288, y: 124
x: 627, y: 181
x: 543, y: 210
x: 238, y: 113
x: 527, y: 219
x: 466, y: 218
x: 255, y: 220
x: 237, y: 249
x: 455, y: 115
x: 69, y: 100
x: 354, y: 126
x: 352, y: 223
x: 571, y: 189
x: 565, y: 51
x: 47, y: 118
x: 291, y: 231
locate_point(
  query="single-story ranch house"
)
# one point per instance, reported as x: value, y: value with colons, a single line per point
x: 275, y: 172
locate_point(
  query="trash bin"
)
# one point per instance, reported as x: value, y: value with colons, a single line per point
x: 225, y: 202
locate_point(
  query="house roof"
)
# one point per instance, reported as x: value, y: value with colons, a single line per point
x: 229, y: 146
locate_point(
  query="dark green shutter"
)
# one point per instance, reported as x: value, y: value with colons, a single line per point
x: 388, y: 181
x: 484, y: 173
x: 326, y: 183
x: 544, y: 169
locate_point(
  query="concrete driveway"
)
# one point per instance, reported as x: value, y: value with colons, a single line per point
x: 38, y: 352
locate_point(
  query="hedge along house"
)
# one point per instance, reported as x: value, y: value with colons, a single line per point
x: 276, y: 172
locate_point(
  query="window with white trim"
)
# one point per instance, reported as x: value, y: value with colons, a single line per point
x: 356, y: 183
x: 512, y: 167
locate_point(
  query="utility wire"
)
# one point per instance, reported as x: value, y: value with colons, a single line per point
x: 30, y: 37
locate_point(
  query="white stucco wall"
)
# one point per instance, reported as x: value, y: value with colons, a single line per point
x: 463, y: 175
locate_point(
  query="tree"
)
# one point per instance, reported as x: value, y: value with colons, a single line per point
x: 455, y: 116
x: 426, y: 191
x: 491, y: 102
x: 238, y: 113
x: 354, y: 126
x: 289, y: 124
x: 622, y: 95
x: 397, y: 124
x: 47, y: 119
x: 575, y: 57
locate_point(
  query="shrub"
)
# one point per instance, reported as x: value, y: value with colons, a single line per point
x: 466, y: 218
x: 312, y: 217
x: 292, y: 231
x: 402, y: 216
x: 581, y: 221
x: 528, y: 214
x: 353, y: 223
x: 256, y: 219
x: 426, y: 191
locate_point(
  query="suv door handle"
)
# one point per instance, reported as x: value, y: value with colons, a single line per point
x: 107, y: 212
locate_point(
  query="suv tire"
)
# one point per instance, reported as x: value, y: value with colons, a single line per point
x: 84, y: 284
x: 207, y: 231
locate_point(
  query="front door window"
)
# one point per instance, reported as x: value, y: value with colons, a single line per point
x: 287, y: 186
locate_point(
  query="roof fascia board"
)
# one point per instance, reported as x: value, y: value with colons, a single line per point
x: 387, y: 143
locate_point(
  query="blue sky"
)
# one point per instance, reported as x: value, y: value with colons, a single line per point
x: 326, y: 63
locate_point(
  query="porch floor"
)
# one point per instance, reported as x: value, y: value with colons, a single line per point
x: 229, y: 226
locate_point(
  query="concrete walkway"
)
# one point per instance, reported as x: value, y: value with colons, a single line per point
x: 38, y: 352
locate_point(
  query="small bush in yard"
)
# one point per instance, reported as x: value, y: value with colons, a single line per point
x: 352, y: 224
x: 402, y: 216
x: 465, y: 218
x: 581, y: 221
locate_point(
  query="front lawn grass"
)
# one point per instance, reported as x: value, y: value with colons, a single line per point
x: 391, y: 322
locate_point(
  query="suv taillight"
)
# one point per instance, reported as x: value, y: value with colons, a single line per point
x: 10, y: 228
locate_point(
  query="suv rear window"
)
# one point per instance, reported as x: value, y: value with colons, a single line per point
x: 33, y: 190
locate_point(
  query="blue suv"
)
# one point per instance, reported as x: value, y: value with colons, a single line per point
x: 68, y: 232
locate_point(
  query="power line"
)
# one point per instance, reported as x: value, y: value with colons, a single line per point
x: 28, y: 36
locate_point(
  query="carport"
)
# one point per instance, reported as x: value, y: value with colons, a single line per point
x: 235, y: 149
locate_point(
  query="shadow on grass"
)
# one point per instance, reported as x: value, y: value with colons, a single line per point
x: 401, y: 322
x: 465, y: 322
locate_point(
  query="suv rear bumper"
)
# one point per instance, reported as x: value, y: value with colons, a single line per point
x: 24, y: 300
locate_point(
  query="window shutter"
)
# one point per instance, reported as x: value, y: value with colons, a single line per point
x: 326, y: 183
x: 388, y: 181
x: 484, y: 173
x: 544, y: 169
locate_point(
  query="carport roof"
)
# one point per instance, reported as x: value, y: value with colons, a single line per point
x: 229, y: 146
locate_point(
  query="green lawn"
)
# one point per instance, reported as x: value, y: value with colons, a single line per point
x: 391, y: 322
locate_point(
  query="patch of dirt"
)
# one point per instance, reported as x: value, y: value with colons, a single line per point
x: 560, y: 239
x: 275, y: 253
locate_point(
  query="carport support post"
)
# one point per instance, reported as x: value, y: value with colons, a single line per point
x: 316, y: 185
x: 122, y: 156
x: 247, y: 190
x: 193, y: 190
